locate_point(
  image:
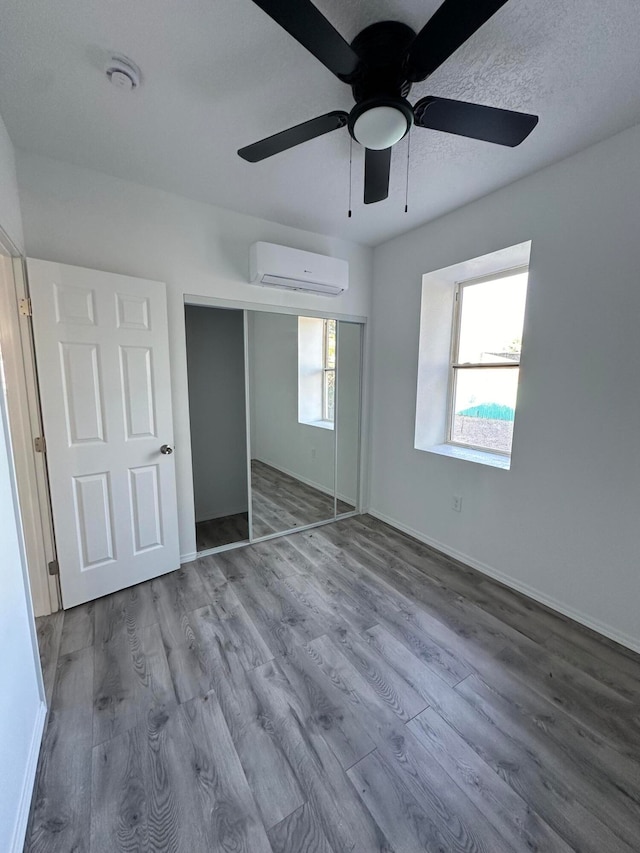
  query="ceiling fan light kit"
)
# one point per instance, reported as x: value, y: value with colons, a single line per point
x: 380, y: 123
x: 381, y: 64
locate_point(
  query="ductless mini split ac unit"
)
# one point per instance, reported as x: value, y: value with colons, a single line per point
x: 279, y: 266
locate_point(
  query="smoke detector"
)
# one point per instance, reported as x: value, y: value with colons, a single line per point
x: 123, y: 73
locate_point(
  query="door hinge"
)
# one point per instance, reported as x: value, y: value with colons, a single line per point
x: 24, y: 306
x: 39, y: 444
x: 54, y: 567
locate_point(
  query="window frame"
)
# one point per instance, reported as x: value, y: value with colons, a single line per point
x: 455, y: 366
x: 326, y: 370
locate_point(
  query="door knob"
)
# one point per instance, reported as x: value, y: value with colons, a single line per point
x: 166, y: 449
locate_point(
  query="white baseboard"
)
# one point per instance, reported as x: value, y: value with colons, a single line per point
x: 22, y: 817
x: 541, y: 597
x: 188, y: 558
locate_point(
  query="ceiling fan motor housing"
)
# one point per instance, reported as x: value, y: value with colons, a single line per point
x: 382, y: 115
x: 382, y: 48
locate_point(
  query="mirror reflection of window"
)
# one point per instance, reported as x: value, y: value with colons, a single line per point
x: 316, y: 371
x: 329, y: 370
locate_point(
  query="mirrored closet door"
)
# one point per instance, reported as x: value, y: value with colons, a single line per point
x: 292, y: 369
x: 347, y: 417
x: 275, y: 409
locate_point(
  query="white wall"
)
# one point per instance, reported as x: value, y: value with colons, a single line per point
x: 215, y: 359
x: 562, y: 523
x: 21, y: 703
x: 10, y: 217
x: 77, y: 216
x: 22, y: 707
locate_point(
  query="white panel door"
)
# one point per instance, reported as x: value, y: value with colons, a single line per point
x: 102, y: 352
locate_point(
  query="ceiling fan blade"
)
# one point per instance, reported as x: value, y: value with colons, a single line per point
x: 452, y: 24
x: 377, y: 165
x: 302, y: 20
x: 503, y: 127
x: 293, y: 136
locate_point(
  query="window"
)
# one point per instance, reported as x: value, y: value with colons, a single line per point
x: 485, y: 360
x: 316, y: 371
x: 329, y: 369
x: 457, y: 363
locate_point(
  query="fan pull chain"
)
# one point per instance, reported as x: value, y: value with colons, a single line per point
x: 350, y: 170
x: 406, y: 192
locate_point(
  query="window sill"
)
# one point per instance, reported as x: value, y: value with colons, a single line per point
x: 482, y: 457
x: 321, y: 424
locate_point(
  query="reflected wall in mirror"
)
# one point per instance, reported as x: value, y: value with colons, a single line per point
x: 292, y: 372
x: 217, y: 411
x: 349, y: 364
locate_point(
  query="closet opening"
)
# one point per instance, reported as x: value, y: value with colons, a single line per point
x: 275, y: 418
x: 217, y: 411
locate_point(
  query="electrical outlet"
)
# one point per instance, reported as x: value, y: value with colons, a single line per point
x: 456, y: 503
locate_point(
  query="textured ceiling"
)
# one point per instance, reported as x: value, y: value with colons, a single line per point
x: 219, y: 74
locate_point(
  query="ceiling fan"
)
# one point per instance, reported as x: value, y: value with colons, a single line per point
x: 381, y: 64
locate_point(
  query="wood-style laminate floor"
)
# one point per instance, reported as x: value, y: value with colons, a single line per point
x: 341, y: 689
x: 222, y: 531
x: 280, y: 502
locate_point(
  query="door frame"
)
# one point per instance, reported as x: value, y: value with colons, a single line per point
x: 25, y: 424
x: 242, y: 305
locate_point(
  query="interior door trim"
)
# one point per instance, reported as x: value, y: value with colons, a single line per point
x: 23, y: 405
x: 243, y: 305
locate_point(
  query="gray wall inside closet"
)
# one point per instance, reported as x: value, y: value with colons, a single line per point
x: 215, y: 361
